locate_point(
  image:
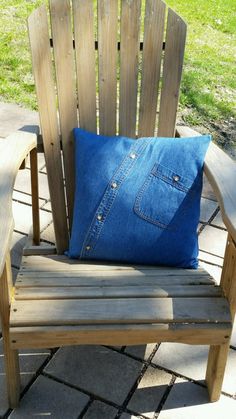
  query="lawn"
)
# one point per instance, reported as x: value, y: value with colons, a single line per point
x: 208, y: 86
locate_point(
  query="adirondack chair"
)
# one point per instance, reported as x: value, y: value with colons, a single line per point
x: 57, y: 301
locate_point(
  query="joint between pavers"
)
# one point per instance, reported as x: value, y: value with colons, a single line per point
x: 133, y: 388
x: 85, y: 409
x: 210, y: 263
x: 164, y: 397
x: 38, y: 373
x: 90, y: 395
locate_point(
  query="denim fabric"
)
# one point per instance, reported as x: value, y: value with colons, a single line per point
x: 137, y: 201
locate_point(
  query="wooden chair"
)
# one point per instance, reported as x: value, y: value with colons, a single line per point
x: 57, y: 301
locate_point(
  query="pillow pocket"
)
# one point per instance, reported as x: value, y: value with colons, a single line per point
x: 163, y: 198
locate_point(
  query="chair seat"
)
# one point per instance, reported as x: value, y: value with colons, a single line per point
x: 60, y: 301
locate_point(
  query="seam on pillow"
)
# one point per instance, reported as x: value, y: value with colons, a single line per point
x: 133, y: 148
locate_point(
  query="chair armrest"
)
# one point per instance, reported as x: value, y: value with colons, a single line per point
x: 220, y: 170
x: 13, y: 151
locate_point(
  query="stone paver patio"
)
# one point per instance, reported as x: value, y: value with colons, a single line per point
x: 95, y: 382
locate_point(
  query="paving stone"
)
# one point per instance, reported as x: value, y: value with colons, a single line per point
x: 128, y: 416
x: 46, y: 397
x: 188, y: 400
x: 207, y: 191
x: 17, y: 244
x: 25, y: 198
x: 191, y: 361
x: 208, y: 208
x: 14, y: 117
x: 214, y: 271
x: 213, y: 240
x: 96, y: 369
x: 48, y: 234
x: 48, y: 206
x: 22, y: 214
x: 22, y: 183
x: 30, y: 362
x: 149, y: 392
x: 209, y: 258
x: 100, y: 410
x: 141, y: 351
x: 217, y: 221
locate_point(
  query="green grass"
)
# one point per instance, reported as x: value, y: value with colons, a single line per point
x: 16, y: 81
x: 208, y: 84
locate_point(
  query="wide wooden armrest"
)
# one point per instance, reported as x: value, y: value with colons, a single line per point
x: 220, y: 170
x: 13, y: 151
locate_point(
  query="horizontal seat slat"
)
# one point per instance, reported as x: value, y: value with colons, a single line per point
x: 65, y: 280
x: 143, y: 291
x: 57, y: 262
x: 122, y: 334
x: 131, y: 310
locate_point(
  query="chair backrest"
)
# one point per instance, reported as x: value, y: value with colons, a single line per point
x: 106, y: 65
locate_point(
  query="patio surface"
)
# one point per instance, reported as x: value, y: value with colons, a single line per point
x: 96, y: 382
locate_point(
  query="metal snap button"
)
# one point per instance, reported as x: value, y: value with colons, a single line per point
x: 88, y: 247
x: 176, y: 178
x: 114, y: 185
x: 132, y: 155
x: 99, y: 217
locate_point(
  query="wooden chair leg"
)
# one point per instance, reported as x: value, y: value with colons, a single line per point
x: 217, y: 358
x: 11, y: 356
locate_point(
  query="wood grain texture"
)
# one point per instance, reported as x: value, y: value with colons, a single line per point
x: 10, y: 355
x: 13, y: 151
x: 151, y: 65
x: 222, y: 181
x: 102, y: 311
x: 85, y: 62
x: 73, y: 279
x: 172, y: 71
x: 135, y: 334
x: 141, y: 291
x: 216, y: 364
x: 66, y: 89
x: 107, y: 65
x: 45, y: 88
x: 228, y: 276
x: 129, y: 53
x: 35, y: 196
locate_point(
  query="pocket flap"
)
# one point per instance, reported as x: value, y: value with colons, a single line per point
x: 174, y: 178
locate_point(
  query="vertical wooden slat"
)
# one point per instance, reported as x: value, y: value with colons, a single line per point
x: 107, y: 59
x: 35, y: 196
x: 85, y: 62
x: 129, y: 51
x: 173, y: 63
x: 43, y: 73
x: 66, y: 87
x: 11, y: 356
x: 152, y: 53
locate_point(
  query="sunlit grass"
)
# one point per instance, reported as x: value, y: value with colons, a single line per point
x: 208, y: 82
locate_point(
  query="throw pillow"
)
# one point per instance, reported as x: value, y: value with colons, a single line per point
x: 137, y: 201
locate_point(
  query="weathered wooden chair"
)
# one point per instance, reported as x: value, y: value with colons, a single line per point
x: 57, y: 301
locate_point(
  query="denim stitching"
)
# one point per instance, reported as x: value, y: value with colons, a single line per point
x: 109, y: 196
x: 178, y: 185
x: 137, y: 203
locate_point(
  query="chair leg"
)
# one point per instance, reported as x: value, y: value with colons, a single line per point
x: 216, y: 364
x: 11, y: 356
x: 12, y: 372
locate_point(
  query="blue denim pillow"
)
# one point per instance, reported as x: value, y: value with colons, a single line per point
x: 137, y: 201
